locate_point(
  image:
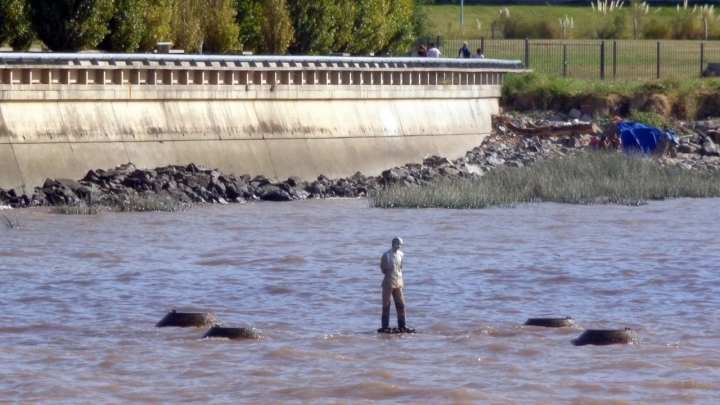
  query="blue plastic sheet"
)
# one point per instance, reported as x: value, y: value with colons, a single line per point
x: 641, y: 138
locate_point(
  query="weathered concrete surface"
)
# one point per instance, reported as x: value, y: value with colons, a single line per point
x: 300, y: 131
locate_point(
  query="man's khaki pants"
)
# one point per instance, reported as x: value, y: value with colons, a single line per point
x: 397, y: 296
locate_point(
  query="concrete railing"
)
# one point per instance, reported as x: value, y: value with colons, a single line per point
x: 64, y: 114
x: 173, y: 70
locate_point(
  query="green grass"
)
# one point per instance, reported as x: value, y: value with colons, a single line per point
x: 584, y: 178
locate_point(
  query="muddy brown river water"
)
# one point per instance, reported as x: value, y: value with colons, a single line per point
x: 79, y: 297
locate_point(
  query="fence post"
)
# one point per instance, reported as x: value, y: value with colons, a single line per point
x: 702, y: 57
x: 658, y: 60
x: 602, y: 60
x: 564, y: 60
x: 614, y: 59
x: 527, y: 53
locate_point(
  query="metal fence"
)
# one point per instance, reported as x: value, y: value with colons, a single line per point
x: 597, y: 59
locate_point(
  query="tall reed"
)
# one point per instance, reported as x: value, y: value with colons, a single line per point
x: 583, y: 178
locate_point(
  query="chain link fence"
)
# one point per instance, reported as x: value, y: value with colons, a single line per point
x: 598, y: 59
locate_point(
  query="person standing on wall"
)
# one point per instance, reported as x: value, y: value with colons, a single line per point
x: 464, y: 52
x: 433, y: 52
x: 391, y: 266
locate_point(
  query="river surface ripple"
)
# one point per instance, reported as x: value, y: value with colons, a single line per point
x: 80, y: 296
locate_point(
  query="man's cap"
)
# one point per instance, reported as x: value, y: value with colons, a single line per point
x: 397, y: 242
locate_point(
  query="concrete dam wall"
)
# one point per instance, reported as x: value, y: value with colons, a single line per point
x: 61, y: 117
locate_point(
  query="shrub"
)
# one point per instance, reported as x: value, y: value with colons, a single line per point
x: 651, y: 118
x: 655, y: 28
x: 520, y: 26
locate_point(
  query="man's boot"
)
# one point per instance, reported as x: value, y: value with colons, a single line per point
x: 385, y: 322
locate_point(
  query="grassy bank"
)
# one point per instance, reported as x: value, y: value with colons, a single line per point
x: 687, y: 99
x: 585, y: 178
x: 544, y: 21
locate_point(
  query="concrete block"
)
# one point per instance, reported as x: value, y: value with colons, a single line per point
x: 149, y: 155
x: 30, y: 122
x: 9, y: 171
x: 292, y: 157
x: 40, y: 161
x: 98, y: 155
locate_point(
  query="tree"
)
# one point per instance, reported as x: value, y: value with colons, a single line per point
x: 370, y: 31
x: 187, y: 25
x: 220, y: 31
x: 344, y: 24
x: 126, y: 26
x: 401, y: 32
x: 314, y: 24
x: 156, y: 24
x: 249, y: 17
x: 15, y: 26
x: 276, y: 26
x: 70, y: 25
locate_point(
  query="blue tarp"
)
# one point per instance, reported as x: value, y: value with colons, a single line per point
x: 641, y: 138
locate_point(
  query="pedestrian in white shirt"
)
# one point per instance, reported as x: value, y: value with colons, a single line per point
x: 433, y: 52
x: 392, y: 285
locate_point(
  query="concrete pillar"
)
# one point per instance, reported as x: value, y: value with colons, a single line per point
x: 229, y: 77
x: 214, y: 77
x: 64, y: 76
x: 335, y: 77
x: 397, y: 78
x: 118, y: 77
x: 46, y: 76
x: 271, y: 77
x: 151, y: 77
x: 299, y: 77
x: 27, y: 76
x: 377, y: 78
x: 387, y: 77
x: 258, y: 78
x: 135, y: 76
x: 199, y: 77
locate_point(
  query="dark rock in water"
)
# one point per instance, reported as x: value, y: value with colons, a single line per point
x: 218, y: 331
x: 69, y: 183
x: 396, y: 330
x: 259, y: 181
x: 277, y: 195
x: 603, y: 337
x: 566, y: 322
x: 187, y: 319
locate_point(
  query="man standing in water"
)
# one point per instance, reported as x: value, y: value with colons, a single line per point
x: 391, y: 266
